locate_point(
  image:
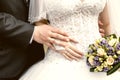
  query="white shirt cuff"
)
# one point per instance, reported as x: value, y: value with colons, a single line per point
x: 31, y: 38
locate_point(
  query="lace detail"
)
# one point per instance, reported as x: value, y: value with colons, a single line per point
x: 77, y: 18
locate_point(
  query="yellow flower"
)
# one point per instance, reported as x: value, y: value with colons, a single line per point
x: 91, y: 60
x: 101, y: 59
x: 115, y: 56
x: 101, y: 52
x: 97, y: 41
x: 110, y: 60
x: 112, y: 42
x: 99, y: 68
x: 105, y: 64
x: 118, y: 52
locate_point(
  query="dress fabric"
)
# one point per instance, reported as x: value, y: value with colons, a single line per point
x: 114, y: 15
x: 80, y: 20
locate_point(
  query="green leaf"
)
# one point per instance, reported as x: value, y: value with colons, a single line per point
x: 115, y: 68
x: 91, y: 69
x: 119, y: 39
x: 114, y: 36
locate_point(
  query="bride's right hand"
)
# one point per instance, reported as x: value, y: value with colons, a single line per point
x: 70, y: 52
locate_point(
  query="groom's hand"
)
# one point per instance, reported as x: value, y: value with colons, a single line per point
x: 47, y: 35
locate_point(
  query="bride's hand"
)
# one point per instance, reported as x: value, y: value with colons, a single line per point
x: 101, y: 30
x: 71, y: 52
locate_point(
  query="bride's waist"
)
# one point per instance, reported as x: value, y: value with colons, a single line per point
x: 79, y: 30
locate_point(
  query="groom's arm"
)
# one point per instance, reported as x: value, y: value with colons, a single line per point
x: 15, y: 31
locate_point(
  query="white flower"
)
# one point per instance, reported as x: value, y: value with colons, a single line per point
x: 110, y: 60
x: 91, y: 60
x: 97, y: 41
x: 118, y: 52
x: 112, y: 42
x: 101, y: 52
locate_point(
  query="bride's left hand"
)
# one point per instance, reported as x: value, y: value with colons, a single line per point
x: 70, y: 52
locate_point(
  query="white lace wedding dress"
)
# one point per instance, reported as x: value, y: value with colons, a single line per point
x: 79, y: 18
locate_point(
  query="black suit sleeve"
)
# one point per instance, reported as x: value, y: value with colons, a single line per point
x: 15, y: 31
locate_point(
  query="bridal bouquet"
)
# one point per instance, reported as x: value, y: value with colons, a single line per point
x: 104, y: 54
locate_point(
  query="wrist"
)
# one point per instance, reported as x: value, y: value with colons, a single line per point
x: 41, y: 22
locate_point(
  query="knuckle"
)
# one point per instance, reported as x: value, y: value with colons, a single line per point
x: 52, y: 40
x: 57, y: 35
x: 49, y: 33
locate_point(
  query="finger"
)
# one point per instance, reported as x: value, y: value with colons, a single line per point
x: 52, y: 40
x: 67, y: 57
x: 101, y: 30
x: 75, y: 50
x: 57, y: 42
x: 58, y: 31
x: 59, y: 36
x: 50, y: 45
x: 73, y: 40
x: 71, y: 56
x: 103, y: 33
x: 100, y: 23
x: 78, y: 56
